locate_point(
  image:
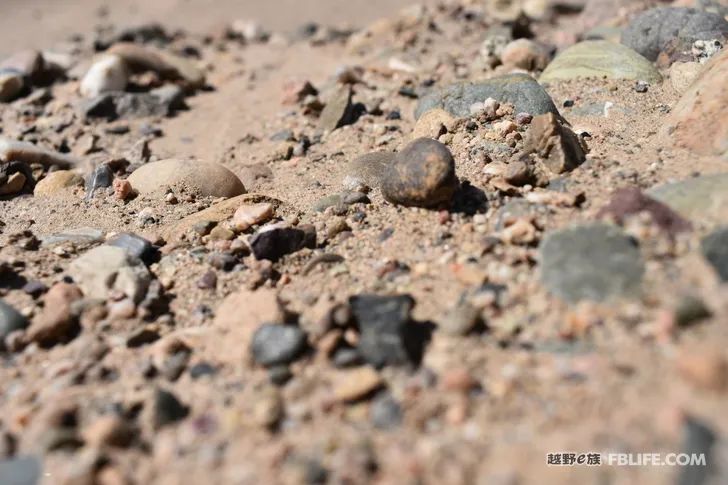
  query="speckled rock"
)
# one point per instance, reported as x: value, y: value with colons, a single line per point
x: 56, y: 182
x: 203, y: 178
x: 421, y: 175
x: 433, y: 123
x: 106, y: 269
x: 337, y: 112
x: 107, y: 73
x: 366, y: 171
x: 651, y: 31
x: 275, y: 344
x: 521, y: 90
x: 600, y: 58
x: 595, y: 262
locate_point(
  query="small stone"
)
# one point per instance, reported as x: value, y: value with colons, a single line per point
x: 57, y: 321
x: 525, y: 54
x: 56, y: 182
x: 104, y: 270
x: 167, y: 409
x: 29, y: 63
x: 340, y: 201
x: 202, y: 369
x: 366, y: 171
x: 34, y: 288
x: 385, y: 412
x: 280, y: 374
x: 591, y: 262
x: 518, y: 173
x: 11, y: 85
x: 10, y: 321
x: 206, y: 179
x: 208, y: 281
x: 690, y: 310
x: 631, y: 201
x: 346, y: 357
x: 100, y: 178
x: 203, y: 228
x: 641, y: 86
x: 167, y: 65
x: 356, y: 384
x: 247, y: 216
x: 107, y: 73
x: 277, y: 344
x: 272, y: 243
x: 523, y: 119
x: 433, y: 123
x: 421, y: 175
x: 715, y: 250
x: 135, y: 245
x: 122, y: 189
x: 220, y: 233
x: 268, y: 409
x: 338, y: 111
x: 554, y: 143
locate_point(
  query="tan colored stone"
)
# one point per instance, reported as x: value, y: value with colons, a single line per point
x: 353, y: 385
x: 56, y: 182
x: 682, y: 75
x: 249, y: 215
x: 434, y: 123
x: 204, y: 178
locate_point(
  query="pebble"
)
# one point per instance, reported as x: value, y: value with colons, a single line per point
x: 220, y: 233
x: 56, y: 182
x: 650, y: 32
x: 107, y: 73
x: 462, y: 319
x: 421, y: 175
x: 135, y: 245
x: 80, y: 236
x: 167, y: 65
x: 167, y: 409
x: 101, y: 178
x: 204, y: 178
x: 338, y: 111
x: 277, y: 344
x: 631, y: 201
x: 520, y: 90
x: 57, y: 321
x: 591, y: 262
x: 388, y: 335
x: 599, y: 58
x: 434, y: 123
x: 366, y: 171
x: 247, y: 216
x: 104, y: 270
x: 525, y: 54
x: 714, y: 247
x: 122, y: 189
x: 11, y: 85
x: 385, y: 412
x: 690, y: 310
x: 682, y: 75
x: 272, y: 243
x: 10, y: 321
x: 554, y: 143
x: 29, y: 63
x: 356, y: 384
x: 14, y: 184
x: 208, y: 281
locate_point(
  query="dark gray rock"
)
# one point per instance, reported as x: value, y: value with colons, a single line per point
x: 338, y: 112
x: 715, y: 250
x: 22, y: 470
x: 521, y: 90
x: 651, y: 31
x: 135, y: 245
x: 421, y: 175
x: 276, y: 344
x: 273, y: 244
x: 167, y: 409
x: 388, y: 334
x: 591, y: 262
x: 385, y: 412
x: 10, y: 321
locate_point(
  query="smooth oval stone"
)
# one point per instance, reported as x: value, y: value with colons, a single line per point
x: 651, y: 31
x: 520, y: 90
x: 11, y: 84
x: 699, y: 121
x: 276, y: 344
x: 207, y: 179
x: 367, y: 170
x: 600, y: 58
x: 57, y: 181
x: 421, y: 175
x: 703, y: 198
x: 595, y: 262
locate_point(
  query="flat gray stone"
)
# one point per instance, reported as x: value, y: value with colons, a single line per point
x: 703, y: 198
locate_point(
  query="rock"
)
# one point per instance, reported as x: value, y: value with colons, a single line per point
x: 20, y: 151
x: 421, y: 175
x: 699, y: 121
x: 651, y: 31
x: 10, y: 321
x: 338, y: 111
x: 366, y: 171
x: 80, y: 236
x: 388, y: 335
x: 107, y: 73
x: 167, y: 409
x: 56, y: 182
x: 520, y: 90
x: 135, y: 246
x: 590, y: 262
x: 340, y: 201
x: 57, y: 321
x: 205, y: 179
x: 106, y: 269
x: 11, y: 85
x: 169, y: 66
x: 385, y: 412
x: 220, y: 233
x: 682, y: 75
x: 247, y: 216
x: 276, y: 344
x: 21, y: 470
x: 525, y: 54
x: 29, y: 63
x: 701, y: 198
x: 433, y: 123
x: 598, y: 59
x: 715, y: 250
x: 356, y: 384
x: 14, y: 184
x: 690, y: 310
x: 462, y: 319
x: 631, y: 201
x: 101, y: 178
x: 272, y: 243
x: 113, y: 105
x: 122, y: 189
x: 554, y: 143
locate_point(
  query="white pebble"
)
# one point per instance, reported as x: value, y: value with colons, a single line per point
x: 108, y: 73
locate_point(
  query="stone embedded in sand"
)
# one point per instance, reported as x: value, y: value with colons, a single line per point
x: 277, y: 344
x: 600, y: 58
x: 520, y: 90
x: 10, y: 321
x: 21, y: 151
x: 104, y: 270
x: 595, y: 262
x: 366, y: 171
x: 11, y: 84
x: 204, y: 178
x: 651, y: 31
x: 699, y: 121
x: 337, y: 112
x: 29, y: 63
x: 715, y: 250
x: 433, y: 123
x: 554, y: 143
x: 525, y: 54
x: 135, y: 245
x: 421, y: 175
x: 703, y: 198
x: 247, y: 216
x: 56, y: 322
x: 170, y: 66
x: 107, y: 74
x: 356, y: 384
x: 56, y: 182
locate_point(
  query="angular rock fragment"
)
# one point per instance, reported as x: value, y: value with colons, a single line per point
x: 554, y: 143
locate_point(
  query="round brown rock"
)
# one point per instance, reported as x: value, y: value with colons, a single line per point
x: 203, y: 178
x: 421, y: 175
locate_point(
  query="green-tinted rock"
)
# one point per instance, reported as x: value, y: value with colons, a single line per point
x: 599, y: 58
x: 521, y: 90
x: 703, y: 198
